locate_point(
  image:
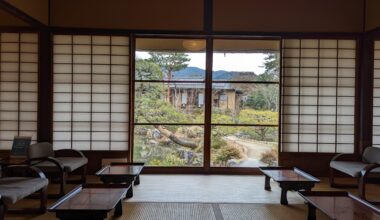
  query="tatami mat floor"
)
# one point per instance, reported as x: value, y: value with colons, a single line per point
x: 218, y: 197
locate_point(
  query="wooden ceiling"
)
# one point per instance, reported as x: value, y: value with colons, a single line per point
x: 343, y: 16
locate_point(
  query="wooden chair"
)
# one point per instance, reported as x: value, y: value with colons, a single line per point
x: 365, y: 170
x: 57, y: 164
x: 20, y: 181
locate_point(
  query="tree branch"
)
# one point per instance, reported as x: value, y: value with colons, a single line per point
x: 175, y: 139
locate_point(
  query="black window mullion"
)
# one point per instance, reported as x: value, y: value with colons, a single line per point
x: 336, y: 96
x: 18, y: 84
x: 299, y: 95
x: 110, y: 94
x: 72, y: 92
x: 318, y: 78
x: 91, y: 92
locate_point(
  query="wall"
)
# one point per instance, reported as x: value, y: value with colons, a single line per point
x: 8, y: 20
x: 372, y: 14
x: 38, y: 9
x: 129, y: 14
x: 289, y: 15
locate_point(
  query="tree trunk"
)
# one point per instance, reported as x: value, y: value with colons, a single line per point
x: 174, y: 138
x: 169, y: 79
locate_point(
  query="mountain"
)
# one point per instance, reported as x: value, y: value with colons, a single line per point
x: 195, y: 73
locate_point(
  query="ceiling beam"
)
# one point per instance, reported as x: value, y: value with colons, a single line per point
x: 21, y: 15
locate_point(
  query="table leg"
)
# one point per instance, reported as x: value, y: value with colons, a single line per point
x: 311, y: 215
x: 267, y: 183
x: 130, y: 192
x: 118, y: 209
x: 137, y: 180
x: 284, y: 199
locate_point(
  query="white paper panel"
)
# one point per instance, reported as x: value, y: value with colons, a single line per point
x: 309, y: 43
x: 309, y: 53
x: 120, y: 40
x: 81, y: 126
x: 62, y: 126
x: 291, y: 43
x: 81, y: 49
x: 310, y: 129
x: 86, y: 59
x: 307, y: 147
x: 323, y: 69
x: 289, y: 147
x: 100, y: 126
x: 102, y: 50
x: 83, y: 39
x: 117, y: 50
x: 328, y: 44
x: 81, y: 145
x: 326, y: 148
x: 99, y: 73
x: 120, y: 70
x: 119, y: 145
x: 19, y: 57
x: 119, y: 126
x: 61, y: 68
x: 331, y: 63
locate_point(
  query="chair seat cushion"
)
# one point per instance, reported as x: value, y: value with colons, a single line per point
x: 69, y: 163
x: 13, y: 189
x: 351, y: 168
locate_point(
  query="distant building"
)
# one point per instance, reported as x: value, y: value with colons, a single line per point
x: 225, y: 96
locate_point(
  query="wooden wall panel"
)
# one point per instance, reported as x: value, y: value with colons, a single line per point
x: 372, y: 14
x: 289, y: 15
x: 8, y: 20
x: 129, y: 14
x: 38, y: 9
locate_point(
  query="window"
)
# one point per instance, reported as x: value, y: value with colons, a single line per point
x: 91, y: 92
x: 170, y: 100
x: 169, y: 111
x: 18, y: 86
x: 318, y: 95
x: 245, y: 94
x: 376, y: 97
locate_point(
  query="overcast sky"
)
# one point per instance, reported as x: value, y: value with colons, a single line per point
x: 230, y: 62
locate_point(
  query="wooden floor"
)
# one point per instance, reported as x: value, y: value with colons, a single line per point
x: 207, y: 189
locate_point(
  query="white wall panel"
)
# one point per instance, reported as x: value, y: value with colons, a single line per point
x: 318, y: 95
x: 90, y: 84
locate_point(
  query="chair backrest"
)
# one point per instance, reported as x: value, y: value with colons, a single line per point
x: 371, y: 155
x: 43, y: 149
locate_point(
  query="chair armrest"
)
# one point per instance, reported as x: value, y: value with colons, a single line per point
x: 70, y: 152
x: 36, y: 161
x: 24, y: 170
x: 336, y: 157
x: 365, y: 172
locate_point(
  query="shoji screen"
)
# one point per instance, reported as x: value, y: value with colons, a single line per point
x: 18, y: 86
x: 318, y: 95
x: 91, y: 92
x: 376, y: 97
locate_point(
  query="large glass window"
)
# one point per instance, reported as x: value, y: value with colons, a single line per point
x: 169, y: 94
x: 170, y: 121
x: 318, y: 95
x: 91, y: 92
x: 18, y: 86
x: 245, y: 103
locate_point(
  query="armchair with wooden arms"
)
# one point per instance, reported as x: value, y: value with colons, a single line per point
x: 18, y: 182
x: 57, y: 164
x: 365, y: 170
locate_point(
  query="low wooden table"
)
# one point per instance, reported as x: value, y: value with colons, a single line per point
x: 289, y: 178
x: 122, y: 173
x: 90, y: 202
x: 339, y: 206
